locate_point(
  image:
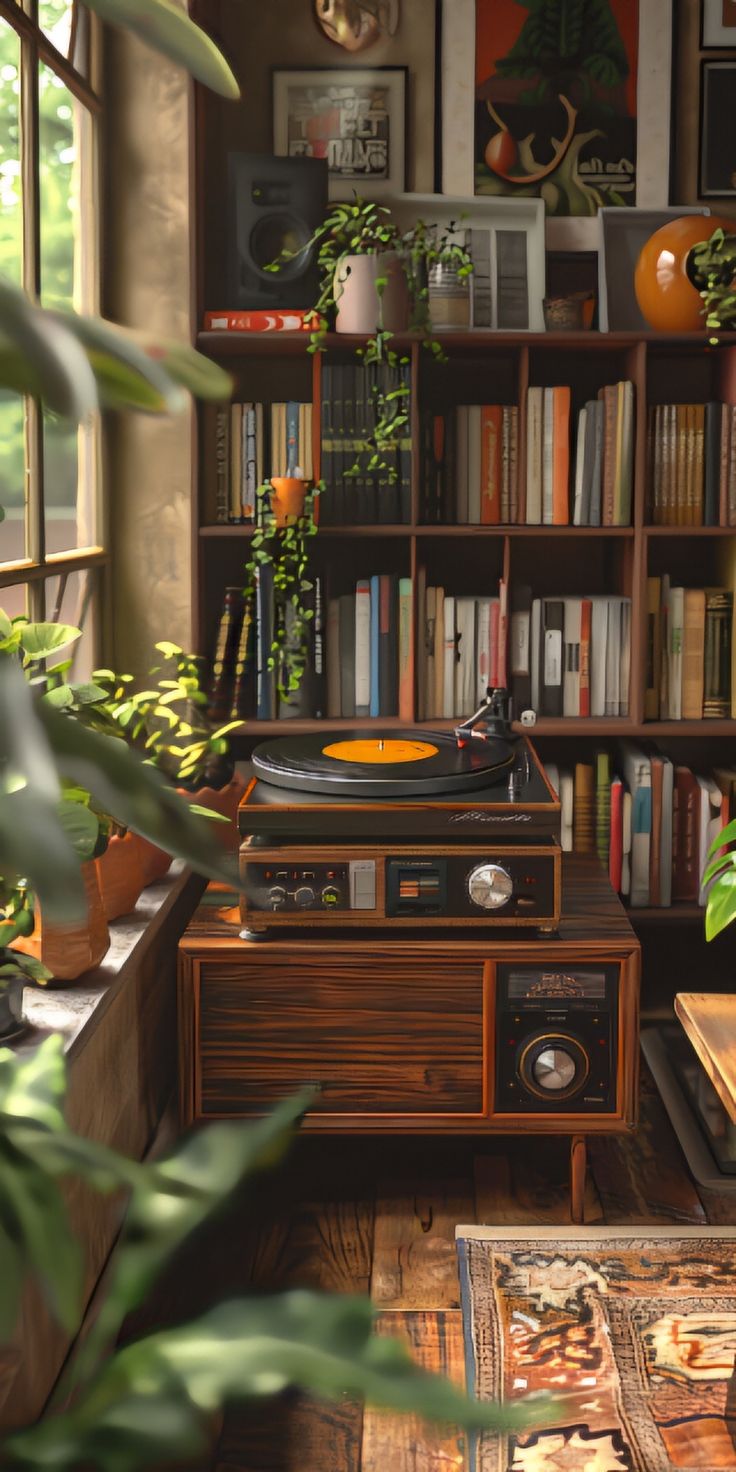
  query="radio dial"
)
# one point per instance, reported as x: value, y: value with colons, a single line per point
x: 304, y: 897
x: 277, y: 895
x: 554, y: 1070
x: 553, y: 1066
x: 490, y: 887
x: 330, y: 896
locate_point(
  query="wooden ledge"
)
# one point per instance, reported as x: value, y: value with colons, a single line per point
x: 709, y: 1019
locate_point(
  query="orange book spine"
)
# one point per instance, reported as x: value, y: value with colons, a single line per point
x: 586, y: 614
x: 491, y: 429
x: 561, y: 457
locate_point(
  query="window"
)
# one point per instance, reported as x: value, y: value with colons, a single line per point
x: 52, y: 538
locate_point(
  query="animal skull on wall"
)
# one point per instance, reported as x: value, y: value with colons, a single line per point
x: 356, y: 24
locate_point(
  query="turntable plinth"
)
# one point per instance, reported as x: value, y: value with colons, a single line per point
x: 408, y: 1035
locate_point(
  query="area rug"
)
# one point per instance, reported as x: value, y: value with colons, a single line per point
x: 634, y: 1330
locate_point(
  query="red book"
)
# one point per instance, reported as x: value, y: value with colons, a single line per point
x: 293, y: 320
x: 491, y: 426
x: 586, y: 614
x: 503, y: 618
x: 493, y: 674
x: 616, y: 844
x: 561, y: 456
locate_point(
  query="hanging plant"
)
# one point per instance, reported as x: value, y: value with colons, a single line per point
x: 712, y: 269
x: 281, y: 543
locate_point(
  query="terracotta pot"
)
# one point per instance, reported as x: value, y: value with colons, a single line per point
x: 155, y: 862
x: 120, y: 873
x: 287, y: 499
x: 360, y: 308
x: 667, y: 298
x: 223, y: 800
x: 69, y: 950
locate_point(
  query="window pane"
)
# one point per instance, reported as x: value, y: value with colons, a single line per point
x: 69, y: 600
x: 11, y: 214
x: 70, y: 479
x: 65, y: 153
x: 13, y: 599
x: 55, y: 20
x: 12, y: 478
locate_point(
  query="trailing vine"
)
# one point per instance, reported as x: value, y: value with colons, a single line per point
x: 712, y: 269
x: 285, y: 550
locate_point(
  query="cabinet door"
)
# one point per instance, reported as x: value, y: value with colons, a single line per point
x: 379, y: 1034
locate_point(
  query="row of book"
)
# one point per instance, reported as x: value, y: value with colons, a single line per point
x: 689, y: 652
x: 470, y: 461
x: 370, y: 665
x: 461, y: 650
x: 254, y: 442
x: 650, y: 821
x: 570, y: 656
x: 365, y: 483
x: 246, y: 681
x: 691, y: 450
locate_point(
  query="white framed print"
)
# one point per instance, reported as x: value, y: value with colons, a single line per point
x: 462, y: 61
x: 718, y: 25
x: 355, y: 117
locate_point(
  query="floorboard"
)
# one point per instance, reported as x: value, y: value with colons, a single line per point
x: 414, y: 1257
x: 407, y: 1443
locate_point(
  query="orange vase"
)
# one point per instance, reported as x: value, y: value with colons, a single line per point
x: 69, y: 950
x: 225, y: 800
x: 120, y: 873
x: 287, y: 499
x: 155, y: 862
x: 667, y: 298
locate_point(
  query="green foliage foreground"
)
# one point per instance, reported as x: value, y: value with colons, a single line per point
x: 153, y: 1403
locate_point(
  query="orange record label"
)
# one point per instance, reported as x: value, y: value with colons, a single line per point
x: 377, y: 753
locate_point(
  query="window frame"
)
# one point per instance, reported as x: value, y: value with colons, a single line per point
x: 39, y: 567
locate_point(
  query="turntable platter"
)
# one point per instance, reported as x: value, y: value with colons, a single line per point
x: 400, y: 764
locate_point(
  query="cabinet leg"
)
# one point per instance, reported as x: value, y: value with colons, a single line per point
x: 578, y: 1162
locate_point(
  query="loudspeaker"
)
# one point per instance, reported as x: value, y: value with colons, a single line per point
x: 275, y: 205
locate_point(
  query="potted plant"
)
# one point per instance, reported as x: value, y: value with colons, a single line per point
x: 280, y: 543
x: 16, y: 969
x: 712, y: 268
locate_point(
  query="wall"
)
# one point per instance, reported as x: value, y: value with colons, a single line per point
x: 148, y: 273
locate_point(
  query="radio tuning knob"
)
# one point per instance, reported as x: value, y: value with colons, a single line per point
x: 490, y: 886
x: 554, y: 1070
x: 277, y: 895
x: 304, y: 897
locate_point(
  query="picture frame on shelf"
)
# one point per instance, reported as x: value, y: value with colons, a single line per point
x: 621, y: 235
x: 508, y: 280
x: 355, y: 117
x: 717, y: 151
x: 653, y: 103
x: 718, y: 25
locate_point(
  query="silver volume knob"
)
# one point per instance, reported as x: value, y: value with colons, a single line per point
x: 490, y: 887
x: 554, y: 1070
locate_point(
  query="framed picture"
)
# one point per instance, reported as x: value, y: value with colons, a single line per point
x: 622, y: 233
x: 474, y: 40
x: 355, y: 117
x: 505, y: 238
x: 717, y: 134
x: 718, y: 25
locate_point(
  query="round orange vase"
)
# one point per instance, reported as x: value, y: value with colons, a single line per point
x: 287, y: 499
x: 69, y: 950
x: 120, y: 872
x: 667, y: 298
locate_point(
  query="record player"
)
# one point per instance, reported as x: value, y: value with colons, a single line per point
x: 401, y: 828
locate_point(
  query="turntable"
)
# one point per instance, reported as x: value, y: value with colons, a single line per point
x: 407, y: 828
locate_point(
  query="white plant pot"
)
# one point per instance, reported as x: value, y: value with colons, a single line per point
x: 361, y: 308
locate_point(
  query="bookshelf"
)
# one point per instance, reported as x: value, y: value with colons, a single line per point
x: 487, y: 367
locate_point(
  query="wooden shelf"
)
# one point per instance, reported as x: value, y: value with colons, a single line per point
x: 254, y: 344
x: 683, y: 914
x: 418, y: 529
x: 613, y: 727
x: 689, y: 531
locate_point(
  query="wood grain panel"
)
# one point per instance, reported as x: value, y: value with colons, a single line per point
x: 709, y: 1019
x: 406, y: 1443
x: 381, y: 1038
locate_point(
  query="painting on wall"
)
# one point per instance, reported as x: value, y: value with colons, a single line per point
x: 717, y: 143
x: 718, y: 25
x: 355, y: 118
x: 556, y: 102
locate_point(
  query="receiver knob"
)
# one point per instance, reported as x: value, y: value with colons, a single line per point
x: 554, y: 1070
x: 330, y: 896
x: 553, y: 1066
x: 304, y: 897
x: 277, y: 895
x: 490, y: 887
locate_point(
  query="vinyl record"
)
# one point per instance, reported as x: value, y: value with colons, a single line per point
x: 381, y: 763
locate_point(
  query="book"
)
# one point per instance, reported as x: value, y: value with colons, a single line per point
x: 583, y: 825
x: 274, y: 320
x: 334, y: 708
x: 243, y: 700
x: 560, y: 455
x: 474, y: 464
x: 406, y: 650
x: 615, y: 849
x: 686, y: 818
x: 520, y: 648
x: 603, y: 806
x: 439, y: 653
x: 375, y: 697
x: 573, y: 609
x: 551, y: 651
x: 388, y: 648
x: 491, y: 463
x: 653, y: 649
x: 693, y: 646
x: 465, y: 667
x: 222, y: 463
x: 449, y: 659
x: 223, y: 661
x: 347, y: 654
x: 637, y: 773
x: 462, y: 464
x: 265, y: 682
x: 362, y: 647
x: 534, y: 455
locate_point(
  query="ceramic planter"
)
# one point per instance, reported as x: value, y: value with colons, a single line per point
x: 360, y: 307
x: 11, y: 1006
x: 120, y: 873
x: 223, y: 800
x: 667, y: 298
x: 154, y: 861
x: 287, y: 499
x: 69, y: 950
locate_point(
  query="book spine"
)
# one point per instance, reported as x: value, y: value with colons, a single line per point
x: 334, y: 709
x: 236, y: 461
x: 561, y: 456
x: 327, y: 459
x: 388, y: 657
x: 406, y: 650
x: 223, y: 663
x: 584, y: 810
x: 318, y: 647
x: 265, y: 684
x: 491, y: 437
x: 586, y: 612
x: 548, y: 450
x: 375, y: 697
x: 293, y: 320
x: 292, y: 437
x: 243, y: 703
x: 603, y: 806
x: 222, y: 463
x: 363, y: 647
x: 405, y: 446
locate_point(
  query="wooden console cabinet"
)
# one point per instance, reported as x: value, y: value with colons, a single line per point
x: 397, y: 1033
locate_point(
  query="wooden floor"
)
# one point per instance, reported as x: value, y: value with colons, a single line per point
x: 378, y: 1217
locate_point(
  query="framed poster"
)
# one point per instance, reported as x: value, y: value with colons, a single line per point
x: 355, y: 117
x: 718, y: 25
x: 717, y: 137
x: 472, y: 43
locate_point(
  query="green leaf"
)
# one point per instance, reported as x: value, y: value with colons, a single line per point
x: 30, y: 967
x: 61, y: 697
x: 80, y: 827
x: 721, y: 907
x: 58, y: 362
x: 727, y: 835
x: 40, y: 640
x: 169, y: 30
x: 102, y: 339
x: 35, y: 1217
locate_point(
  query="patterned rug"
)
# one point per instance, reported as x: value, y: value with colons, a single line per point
x: 635, y: 1328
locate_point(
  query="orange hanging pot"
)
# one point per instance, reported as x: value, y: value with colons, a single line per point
x: 69, y: 950
x: 668, y: 299
x: 287, y: 499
